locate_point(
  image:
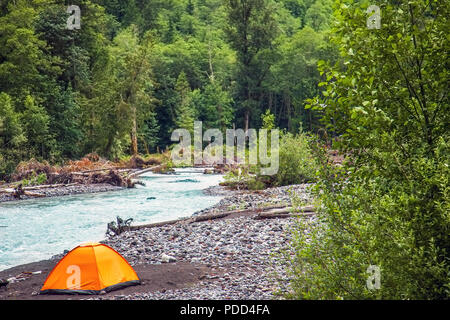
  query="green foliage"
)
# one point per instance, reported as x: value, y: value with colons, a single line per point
x: 268, y: 120
x: 295, y: 76
x: 112, y: 87
x: 148, y: 134
x: 250, y: 31
x: 12, y: 137
x: 121, y: 99
x: 214, y: 106
x: 185, y: 113
x: 36, y: 127
x: 318, y: 15
x: 25, y: 67
x: 296, y: 163
x: 34, y: 180
x: 399, y: 225
x: 242, y: 178
x: 388, y: 205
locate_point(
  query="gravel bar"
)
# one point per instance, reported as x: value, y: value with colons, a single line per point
x: 240, y: 250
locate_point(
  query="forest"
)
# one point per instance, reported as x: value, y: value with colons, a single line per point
x: 137, y: 70
x: 316, y: 69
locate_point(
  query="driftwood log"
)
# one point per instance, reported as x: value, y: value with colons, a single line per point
x: 157, y: 224
x: 287, y: 212
x: 181, y: 220
x: 269, y: 215
x: 260, y: 214
x: 140, y: 172
x: 118, y: 169
x: 20, y: 191
x: 114, y: 228
x: 50, y: 186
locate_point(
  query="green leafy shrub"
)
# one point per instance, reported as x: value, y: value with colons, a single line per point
x: 388, y: 205
x: 240, y: 178
x: 296, y: 162
x: 35, y: 180
x: 401, y: 226
x: 296, y: 165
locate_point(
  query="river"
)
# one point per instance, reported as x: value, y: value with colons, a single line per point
x: 33, y: 230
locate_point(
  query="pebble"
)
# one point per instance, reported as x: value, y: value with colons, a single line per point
x: 241, y: 250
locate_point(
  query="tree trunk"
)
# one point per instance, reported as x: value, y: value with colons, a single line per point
x: 134, y: 147
x: 310, y: 119
x: 270, y: 101
x: 247, y: 116
x: 287, y: 100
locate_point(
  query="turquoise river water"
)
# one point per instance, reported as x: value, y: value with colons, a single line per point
x: 33, y: 230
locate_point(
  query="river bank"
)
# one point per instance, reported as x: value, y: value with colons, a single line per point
x: 91, y: 174
x: 225, y: 258
x: 63, y: 191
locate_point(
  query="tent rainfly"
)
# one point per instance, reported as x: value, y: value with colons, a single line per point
x: 90, y: 268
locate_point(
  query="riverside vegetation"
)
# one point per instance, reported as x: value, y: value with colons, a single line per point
x: 389, y: 204
x: 364, y: 115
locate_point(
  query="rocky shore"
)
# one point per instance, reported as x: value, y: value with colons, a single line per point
x: 233, y: 257
x: 244, y: 199
x: 240, y: 252
x: 64, y: 191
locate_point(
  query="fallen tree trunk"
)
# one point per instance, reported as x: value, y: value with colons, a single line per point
x: 157, y: 224
x: 181, y: 220
x: 7, y: 190
x: 208, y: 217
x: 50, y: 186
x: 306, y: 209
x: 270, y: 215
x: 33, y: 194
x: 83, y: 174
x: 95, y: 170
x: 87, y: 172
x: 254, y: 210
x: 17, y: 193
x: 278, y: 209
x: 287, y: 212
x: 140, y: 172
x: 261, y: 213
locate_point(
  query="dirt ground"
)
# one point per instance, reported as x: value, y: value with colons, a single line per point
x: 153, y: 278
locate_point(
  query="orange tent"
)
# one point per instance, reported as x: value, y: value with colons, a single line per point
x: 89, y: 269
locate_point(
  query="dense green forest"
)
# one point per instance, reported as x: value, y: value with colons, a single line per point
x: 137, y: 70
